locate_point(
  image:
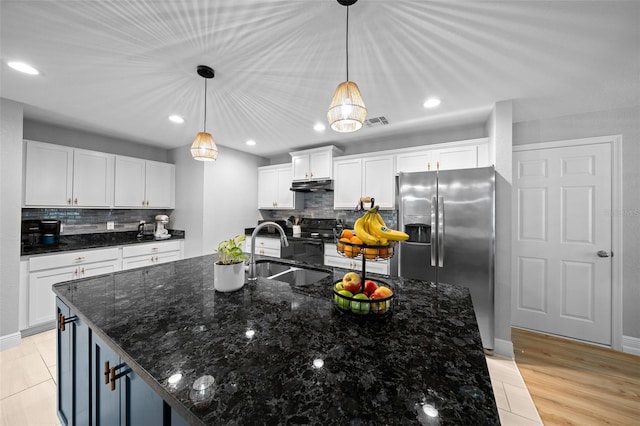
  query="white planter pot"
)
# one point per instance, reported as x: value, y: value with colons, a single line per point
x: 228, y: 277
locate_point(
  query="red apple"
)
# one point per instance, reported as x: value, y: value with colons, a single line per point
x: 381, y: 293
x: 352, y: 282
x: 369, y: 287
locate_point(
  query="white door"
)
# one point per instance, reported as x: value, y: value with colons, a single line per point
x: 42, y: 300
x: 48, y: 175
x: 378, y: 181
x: 159, y: 184
x: 284, y: 195
x: 561, y: 235
x: 129, y: 188
x: 92, y: 179
x: 320, y: 165
x: 459, y: 157
x: 347, y: 183
x: 267, y: 187
x: 300, y: 164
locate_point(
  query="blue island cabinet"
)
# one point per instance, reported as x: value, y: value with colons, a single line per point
x: 95, y: 387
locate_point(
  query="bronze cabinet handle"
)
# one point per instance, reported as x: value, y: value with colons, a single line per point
x: 62, y: 321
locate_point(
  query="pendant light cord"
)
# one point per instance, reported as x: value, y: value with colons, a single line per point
x: 205, y: 105
x: 347, y: 42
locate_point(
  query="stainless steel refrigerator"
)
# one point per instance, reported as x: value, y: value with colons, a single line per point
x: 450, y: 218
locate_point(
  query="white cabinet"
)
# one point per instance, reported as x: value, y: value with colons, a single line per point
x: 314, y: 164
x: 333, y: 258
x: 274, y: 183
x: 138, y: 255
x: 461, y: 157
x: 265, y: 246
x: 61, y: 176
x: 144, y: 183
x: 414, y: 161
x: 364, y: 177
x: 44, y: 271
x: 453, y: 155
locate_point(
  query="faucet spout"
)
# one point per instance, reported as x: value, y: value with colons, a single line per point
x: 252, y: 276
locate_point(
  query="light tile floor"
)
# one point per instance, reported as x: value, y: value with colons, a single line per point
x: 28, y: 386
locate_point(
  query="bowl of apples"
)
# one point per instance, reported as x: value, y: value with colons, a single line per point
x: 363, y: 298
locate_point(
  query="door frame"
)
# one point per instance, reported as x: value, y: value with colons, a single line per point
x: 615, y: 141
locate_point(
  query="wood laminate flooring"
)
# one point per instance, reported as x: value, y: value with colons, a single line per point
x: 574, y: 383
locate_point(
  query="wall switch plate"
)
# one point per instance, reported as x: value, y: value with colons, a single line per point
x: 110, y: 226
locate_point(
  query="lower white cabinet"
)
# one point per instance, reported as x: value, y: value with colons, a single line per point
x: 44, y: 271
x: 138, y: 255
x: 265, y: 246
x: 333, y: 258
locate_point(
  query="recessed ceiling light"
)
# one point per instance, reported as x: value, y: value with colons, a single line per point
x: 22, y: 67
x: 251, y: 142
x: 176, y: 119
x: 431, y: 103
x: 319, y: 127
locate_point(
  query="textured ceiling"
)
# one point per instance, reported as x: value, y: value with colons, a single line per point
x: 122, y: 67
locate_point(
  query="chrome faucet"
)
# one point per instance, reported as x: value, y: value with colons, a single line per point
x: 252, y: 276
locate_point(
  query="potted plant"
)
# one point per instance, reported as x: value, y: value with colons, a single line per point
x: 228, y: 271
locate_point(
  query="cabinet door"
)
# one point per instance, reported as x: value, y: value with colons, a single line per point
x: 92, y: 179
x: 320, y: 166
x: 160, y: 185
x: 137, y: 261
x: 284, y: 195
x: 267, y: 186
x: 64, y: 365
x: 139, y: 404
x: 105, y: 402
x: 48, y: 175
x: 129, y: 190
x: 378, y: 180
x: 300, y: 164
x: 347, y: 183
x: 463, y: 157
x: 410, y: 162
x: 41, y: 298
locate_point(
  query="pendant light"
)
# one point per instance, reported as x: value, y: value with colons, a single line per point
x: 203, y: 147
x: 347, y: 111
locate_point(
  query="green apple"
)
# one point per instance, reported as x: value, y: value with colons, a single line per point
x: 360, y: 308
x: 341, y: 301
x: 339, y: 286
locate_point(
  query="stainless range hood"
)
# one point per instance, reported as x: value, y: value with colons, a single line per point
x: 312, y: 186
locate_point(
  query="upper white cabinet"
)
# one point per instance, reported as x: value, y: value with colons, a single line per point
x: 456, y: 155
x: 314, y: 164
x: 144, y: 183
x: 274, y: 183
x: 371, y: 176
x: 61, y: 176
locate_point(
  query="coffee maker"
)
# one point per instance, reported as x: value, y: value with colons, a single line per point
x: 161, y: 233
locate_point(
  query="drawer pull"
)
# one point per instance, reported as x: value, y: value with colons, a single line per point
x: 79, y: 259
x: 154, y: 249
x: 62, y: 320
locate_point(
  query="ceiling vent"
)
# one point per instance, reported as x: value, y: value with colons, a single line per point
x: 376, y: 121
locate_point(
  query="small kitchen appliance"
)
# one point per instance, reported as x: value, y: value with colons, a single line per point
x: 161, y: 233
x: 40, y: 233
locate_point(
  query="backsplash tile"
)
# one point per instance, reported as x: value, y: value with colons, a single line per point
x: 320, y: 205
x: 89, y: 221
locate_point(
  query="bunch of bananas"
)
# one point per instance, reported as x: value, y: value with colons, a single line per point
x: 372, y: 230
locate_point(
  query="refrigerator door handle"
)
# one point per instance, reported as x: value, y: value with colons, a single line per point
x: 434, y: 204
x: 441, y: 231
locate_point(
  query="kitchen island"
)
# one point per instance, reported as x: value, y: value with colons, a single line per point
x: 272, y: 353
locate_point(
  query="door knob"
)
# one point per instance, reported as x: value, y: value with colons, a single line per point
x: 603, y: 253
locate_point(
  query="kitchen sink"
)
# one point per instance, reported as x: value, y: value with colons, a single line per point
x: 294, y: 275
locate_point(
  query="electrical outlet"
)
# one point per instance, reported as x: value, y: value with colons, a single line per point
x: 110, y: 226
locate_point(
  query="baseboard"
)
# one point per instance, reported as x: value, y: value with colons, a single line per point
x: 631, y: 345
x: 10, y: 341
x: 503, y: 347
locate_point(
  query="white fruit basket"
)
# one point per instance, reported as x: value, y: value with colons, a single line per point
x: 365, y: 308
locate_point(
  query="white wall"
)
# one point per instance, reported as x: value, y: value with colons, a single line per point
x: 215, y: 200
x: 499, y: 129
x: 10, y: 217
x: 626, y: 122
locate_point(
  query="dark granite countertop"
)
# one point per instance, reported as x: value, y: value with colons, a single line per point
x: 283, y: 355
x: 96, y: 240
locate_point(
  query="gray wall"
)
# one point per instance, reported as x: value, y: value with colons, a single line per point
x: 403, y: 140
x: 50, y: 133
x: 10, y: 203
x: 626, y: 122
x: 215, y: 200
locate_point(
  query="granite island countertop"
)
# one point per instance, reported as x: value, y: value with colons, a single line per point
x: 283, y: 355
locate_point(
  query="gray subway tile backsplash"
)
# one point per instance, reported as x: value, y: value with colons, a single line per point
x: 89, y: 221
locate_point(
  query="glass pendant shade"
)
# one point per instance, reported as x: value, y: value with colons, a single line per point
x: 347, y: 111
x: 204, y: 148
